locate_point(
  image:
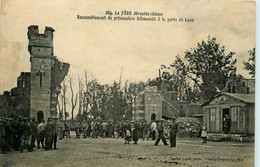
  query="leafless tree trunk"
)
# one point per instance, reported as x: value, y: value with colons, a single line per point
x: 63, y: 97
x: 73, y: 103
x: 80, y: 94
x: 85, y: 97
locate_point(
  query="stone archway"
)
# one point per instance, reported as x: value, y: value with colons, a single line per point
x: 40, y: 116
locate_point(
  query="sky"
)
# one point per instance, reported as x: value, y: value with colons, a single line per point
x: 103, y: 48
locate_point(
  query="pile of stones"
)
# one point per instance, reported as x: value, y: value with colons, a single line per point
x: 188, y: 127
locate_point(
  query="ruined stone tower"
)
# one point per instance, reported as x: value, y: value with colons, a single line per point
x: 46, y: 73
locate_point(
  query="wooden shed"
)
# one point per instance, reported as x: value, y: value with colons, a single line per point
x: 240, y: 108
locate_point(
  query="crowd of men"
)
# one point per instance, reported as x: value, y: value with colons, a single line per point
x: 18, y: 134
x: 133, y: 130
x: 24, y: 133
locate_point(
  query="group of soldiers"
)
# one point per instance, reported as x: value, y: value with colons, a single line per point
x: 108, y: 129
x: 133, y: 130
x: 20, y: 133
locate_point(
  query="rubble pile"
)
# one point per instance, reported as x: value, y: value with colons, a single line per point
x: 188, y: 127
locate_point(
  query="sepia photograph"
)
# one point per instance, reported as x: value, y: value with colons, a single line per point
x: 127, y: 83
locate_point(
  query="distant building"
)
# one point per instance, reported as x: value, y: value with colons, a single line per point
x: 36, y: 93
x: 159, y: 103
x: 240, y: 85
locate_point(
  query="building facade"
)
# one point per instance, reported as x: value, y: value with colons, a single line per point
x: 239, y: 107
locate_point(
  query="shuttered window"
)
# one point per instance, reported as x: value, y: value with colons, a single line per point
x: 234, y: 112
x: 212, y: 114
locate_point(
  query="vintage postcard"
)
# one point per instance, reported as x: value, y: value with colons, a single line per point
x: 127, y: 83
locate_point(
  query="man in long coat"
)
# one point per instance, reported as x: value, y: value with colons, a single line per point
x: 54, y: 133
x: 135, y: 132
x: 48, y: 135
x: 173, y: 132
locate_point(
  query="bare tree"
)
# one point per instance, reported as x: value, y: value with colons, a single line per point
x: 81, y: 99
x: 73, y: 101
x: 85, y: 97
x: 63, y: 97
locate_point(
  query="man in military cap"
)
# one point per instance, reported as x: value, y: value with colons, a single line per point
x: 160, y: 130
x: 16, y: 135
x: 48, y: 135
x: 33, y: 126
x: 173, y: 132
x: 25, y: 135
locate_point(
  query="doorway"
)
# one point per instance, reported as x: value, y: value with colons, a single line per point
x: 153, y: 117
x: 226, y: 121
x: 40, y: 116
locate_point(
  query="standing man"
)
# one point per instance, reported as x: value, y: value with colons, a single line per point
x: 40, y: 134
x: 61, y: 128
x: 153, y: 129
x: 77, y: 128
x: 160, y: 130
x: 8, y: 133
x: 145, y: 130
x: 15, y: 126
x: 84, y: 128
x: 173, y: 132
x: 48, y: 135
x: 135, y: 132
x: 54, y: 133
x: 33, y: 126
x: 26, y: 135
x: 68, y: 129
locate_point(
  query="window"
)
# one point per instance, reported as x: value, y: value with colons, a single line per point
x: 212, y: 114
x: 234, y: 112
x: 247, y: 90
x: 243, y: 84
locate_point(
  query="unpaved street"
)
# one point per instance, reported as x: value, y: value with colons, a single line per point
x: 113, y: 152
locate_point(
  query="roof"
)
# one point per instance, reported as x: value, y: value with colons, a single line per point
x: 247, y: 98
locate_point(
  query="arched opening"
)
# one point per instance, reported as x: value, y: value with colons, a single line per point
x: 40, y: 116
x: 234, y: 89
x: 153, y: 117
x: 229, y: 89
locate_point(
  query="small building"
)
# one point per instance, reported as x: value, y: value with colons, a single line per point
x: 240, y: 108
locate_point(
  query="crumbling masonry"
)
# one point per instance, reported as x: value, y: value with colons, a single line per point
x: 47, y: 73
x: 36, y: 93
